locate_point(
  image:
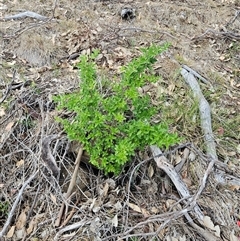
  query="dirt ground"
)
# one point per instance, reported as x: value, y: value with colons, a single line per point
x: 38, y: 61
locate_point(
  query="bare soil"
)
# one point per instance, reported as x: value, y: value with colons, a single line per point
x: 38, y: 61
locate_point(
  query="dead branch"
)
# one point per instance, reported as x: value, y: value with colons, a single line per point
x: 26, y: 14
x: 47, y: 156
x: 19, y: 196
x: 71, y: 227
x: 205, y: 113
x: 206, y: 124
x: 196, y: 74
x: 117, y: 32
x: 234, y: 18
x: 181, y: 187
x: 71, y: 186
x: 164, y: 164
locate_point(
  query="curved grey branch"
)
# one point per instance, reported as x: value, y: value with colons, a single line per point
x: 47, y: 155
x: 26, y: 14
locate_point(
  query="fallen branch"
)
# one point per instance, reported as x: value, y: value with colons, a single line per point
x: 206, y: 124
x: 164, y: 164
x: 234, y: 18
x: 205, y: 114
x: 195, y: 74
x: 181, y: 187
x: 47, y: 156
x: 27, y: 14
x: 70, y: 187
x: 71, y: 227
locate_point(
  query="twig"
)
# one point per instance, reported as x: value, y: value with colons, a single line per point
x: 9, y: 87
x: 203, y: 232
x: 195, y: 74
x: 117, y: 31
x: 72, y: 212
x: 129, y: 186
x: 228, y: 34
x: 183, y: 191
x: 180, y: 165
x: 147, y: 31
x: 165, y: 217
x: 33, y: 204
x: 70, y: 227
x: 204, y: 180
x: 234, y: 19
x: 19, y: 196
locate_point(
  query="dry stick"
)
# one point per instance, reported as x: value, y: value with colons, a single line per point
x: 71, y: 227
x: 19, y: 196
x: 47, y: 156
x: 224, y: 168
x: 165, y: 217
x: 163, y: 164
x: 9, y: 87
x: 205, y: 115
x: 221, y: 34
x: 195, y: 74
x: 234, y: 19
x: 206, y: 124
x: 143, y: 162
x: 30, y: 14
x: 26, y: 14
x: 71, y: 185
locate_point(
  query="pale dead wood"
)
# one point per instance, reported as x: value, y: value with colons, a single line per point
x: 204, y: 80
x: 206, y: 124
x: 26, y: 14
x: 205, y: 113
x: 181, y: 187
x: 71, y: 227
x: 164, y: 164
x: 71, y: 186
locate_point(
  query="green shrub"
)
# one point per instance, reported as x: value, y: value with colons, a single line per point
x: 111, y: 118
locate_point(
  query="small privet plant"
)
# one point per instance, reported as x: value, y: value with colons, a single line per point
x: 111, y: 118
